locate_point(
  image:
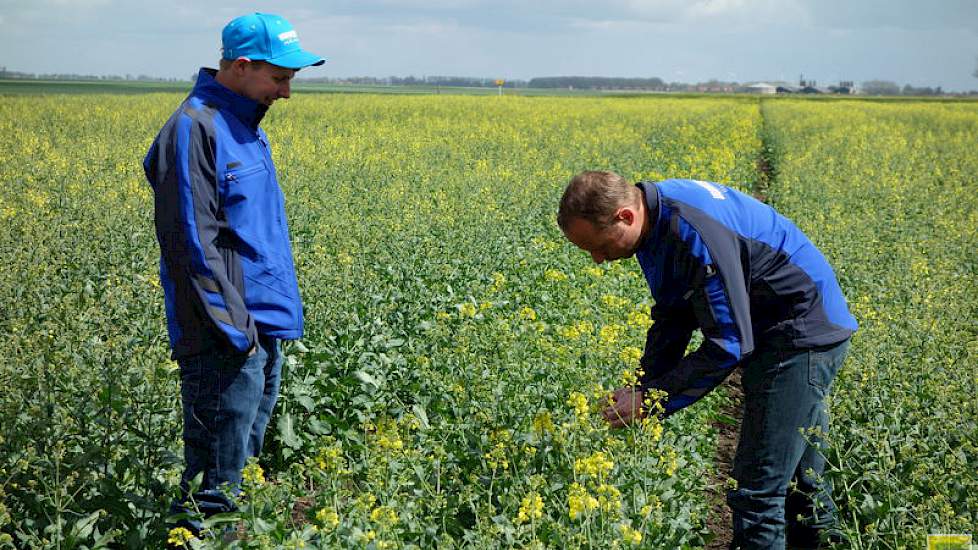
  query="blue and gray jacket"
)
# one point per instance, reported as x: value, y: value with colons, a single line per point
x: 721, y: 261
x: 225, y: 259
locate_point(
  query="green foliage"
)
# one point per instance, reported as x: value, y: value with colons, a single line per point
x: 457, y: 348
x: 444, y: 311
x: 887, y: 192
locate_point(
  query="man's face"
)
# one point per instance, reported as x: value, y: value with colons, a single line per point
x: 618, y: 240
x: 264, y: 82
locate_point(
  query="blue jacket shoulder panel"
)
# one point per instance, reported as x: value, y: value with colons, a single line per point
x: 762, y: 228
x: 725, y: 263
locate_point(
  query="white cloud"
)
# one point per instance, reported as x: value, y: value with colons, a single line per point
x: 77, y: 4
x: 608, y: 26
x: 430, y: 4
x: 750, y: 12
x: 904, y: 40
x: 429, y: 28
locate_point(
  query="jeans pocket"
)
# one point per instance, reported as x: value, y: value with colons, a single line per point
x: 190, y: 380
x: 823, y: 366
x: 195, y: 382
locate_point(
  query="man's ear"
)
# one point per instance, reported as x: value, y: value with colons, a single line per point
x: 626, y: 215
x: 239, y: 65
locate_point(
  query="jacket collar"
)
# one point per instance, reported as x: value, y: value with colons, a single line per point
x: 248, y: 111
x: 650, y: 192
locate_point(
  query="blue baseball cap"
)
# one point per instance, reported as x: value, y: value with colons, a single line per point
x: 266, y: 37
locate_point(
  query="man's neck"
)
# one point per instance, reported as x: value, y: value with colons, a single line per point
x: 643, y: 211
x: 224, y: 79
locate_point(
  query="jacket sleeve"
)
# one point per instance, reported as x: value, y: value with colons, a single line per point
x: 720, y: 309
x: 666, y: 341
x: 182, y: 168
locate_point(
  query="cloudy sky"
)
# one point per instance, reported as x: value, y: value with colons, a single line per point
x: 933, y: 43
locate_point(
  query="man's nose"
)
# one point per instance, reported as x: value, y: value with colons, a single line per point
x: 284, y: 90
x: 597, y: 257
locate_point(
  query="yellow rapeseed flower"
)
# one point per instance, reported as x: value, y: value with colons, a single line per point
x: 331, y: 458
x: 630, y: 535
x: 253, y: 474
x: 630, y: 355
x: 577, y: 330
x: 384, y: 516
x: 531, y: 508
x: 654, y: 506
x: 578, y: 402
x: 598, y: 465
x: 614, y: 301
x: 388, y: 435
x: 498, y: 457
x: 543, y: 423
x: 498, y: 282
x: 180, y: 536
x: 365, y: 501
x: 611, y: 333
x: 653, y: 401
x: 639, y: 318
x: 609, y: 497
x: 528, y: 313
x: 629, y: 377
x: 579, y: 501
x: 652, y: 426
x: 328, y: 518
x: 466, y: 310
x: 670, y: 460
x: 554, y: 275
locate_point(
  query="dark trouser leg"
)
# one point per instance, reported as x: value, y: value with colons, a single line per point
x: 221, y: 396
x: 809, y: 508
x: 273, y: 377
x: 783, y: 395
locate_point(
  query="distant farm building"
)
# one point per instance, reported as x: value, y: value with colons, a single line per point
x: 762, y: 88
x: 845, y: 87
x: 715, y: 87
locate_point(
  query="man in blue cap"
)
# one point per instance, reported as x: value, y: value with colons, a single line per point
x: 226, y: 261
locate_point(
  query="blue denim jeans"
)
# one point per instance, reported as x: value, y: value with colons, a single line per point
x: 227, y: 403
x: 778, y: 465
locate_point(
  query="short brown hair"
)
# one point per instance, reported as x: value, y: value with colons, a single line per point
x: 594, y: 196
x: 225, y: 64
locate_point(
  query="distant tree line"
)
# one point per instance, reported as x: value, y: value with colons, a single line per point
x: 17, y: 75
x: 550, y: 82
x: 655, y: 84
x: 886, y: 87
x: 463, y: 81
x: 598, y: 83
